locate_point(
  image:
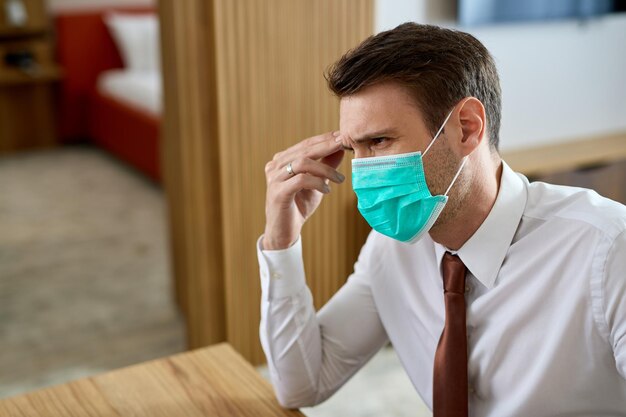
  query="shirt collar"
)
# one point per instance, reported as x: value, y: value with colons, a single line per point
x: 484, y: 252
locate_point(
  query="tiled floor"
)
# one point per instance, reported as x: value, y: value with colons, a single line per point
x: 85, y: 285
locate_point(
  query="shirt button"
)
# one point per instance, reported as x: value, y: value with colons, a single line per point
x: 468, y: 288
x: 276, y: 275
x: 471, y: 390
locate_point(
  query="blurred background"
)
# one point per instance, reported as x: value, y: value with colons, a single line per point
x: 133, y: 135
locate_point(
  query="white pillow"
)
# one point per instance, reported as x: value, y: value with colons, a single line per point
x: 137, y: 39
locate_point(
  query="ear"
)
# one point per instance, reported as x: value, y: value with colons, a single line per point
x: 472, y: 119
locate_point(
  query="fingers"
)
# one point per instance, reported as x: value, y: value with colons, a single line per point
x: 318, y: 156
x: 313, y: 140
x: 311, y: 167
x: 316, y: 147
x: 301, y: 182
x: 333, y: 160
x: 293, y: 195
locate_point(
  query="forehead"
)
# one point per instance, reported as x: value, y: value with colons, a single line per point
x: 377, y: 107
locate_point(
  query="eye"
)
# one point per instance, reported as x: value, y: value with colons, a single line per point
x: 379, y: 141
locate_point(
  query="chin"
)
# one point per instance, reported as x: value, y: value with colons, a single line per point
x: 439, y: 223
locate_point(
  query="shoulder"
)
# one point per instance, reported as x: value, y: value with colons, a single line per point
x: 575, y: 207
x: 591, y: 230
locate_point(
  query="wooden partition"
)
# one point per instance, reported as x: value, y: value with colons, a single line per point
x: 191, y: 166
x: 244, y: 80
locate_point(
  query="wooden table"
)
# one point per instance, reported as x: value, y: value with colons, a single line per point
x: 548, y: 159
x: 213, y: 381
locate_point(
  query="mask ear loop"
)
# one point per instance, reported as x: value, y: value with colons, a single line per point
x: 438, y: 132
x: 456, y: 175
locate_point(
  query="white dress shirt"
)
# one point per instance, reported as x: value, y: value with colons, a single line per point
x: 546, y: 309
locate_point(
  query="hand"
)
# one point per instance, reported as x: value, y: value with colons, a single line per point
x: 292, y: 198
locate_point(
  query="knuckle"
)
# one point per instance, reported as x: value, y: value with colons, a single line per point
x: 274, y: 193
x: 306, y: 153
x: 299, y: 165
x: 300, y: 180
x: 297, y: 179
x: 274, y: 177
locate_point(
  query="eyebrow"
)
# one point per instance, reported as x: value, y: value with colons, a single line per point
x: 383, y: 133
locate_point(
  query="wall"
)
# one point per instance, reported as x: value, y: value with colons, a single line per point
x: 63, y: 5
x: 560, y: 80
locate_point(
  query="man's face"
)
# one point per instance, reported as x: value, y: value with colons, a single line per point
x: 383, y: 119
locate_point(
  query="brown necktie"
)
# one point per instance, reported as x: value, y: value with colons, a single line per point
x: 450, y: 371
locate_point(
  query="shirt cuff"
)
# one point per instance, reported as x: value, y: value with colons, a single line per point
x: 282, y: 271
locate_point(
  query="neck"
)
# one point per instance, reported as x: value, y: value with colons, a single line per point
x: 476, y: 204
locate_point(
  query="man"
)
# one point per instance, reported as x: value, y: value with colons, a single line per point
x: 501, y: 297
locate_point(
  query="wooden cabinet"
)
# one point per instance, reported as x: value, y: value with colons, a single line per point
x: 28, y: 75
x: 597, y: 162
x: 607, y: 179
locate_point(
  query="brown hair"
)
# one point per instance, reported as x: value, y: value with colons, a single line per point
x: 439, y: 66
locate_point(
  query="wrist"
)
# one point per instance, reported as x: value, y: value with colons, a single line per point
x: 270, y: 242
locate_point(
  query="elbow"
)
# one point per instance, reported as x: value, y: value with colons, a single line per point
x: 289, y: 403
x: 293, y: 400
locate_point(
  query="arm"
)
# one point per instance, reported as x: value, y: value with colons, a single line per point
x: 310, y: 356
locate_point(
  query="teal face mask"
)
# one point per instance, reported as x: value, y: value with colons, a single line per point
x: 393, y: 196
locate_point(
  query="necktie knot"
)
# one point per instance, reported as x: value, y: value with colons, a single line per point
x: 454, y: 271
